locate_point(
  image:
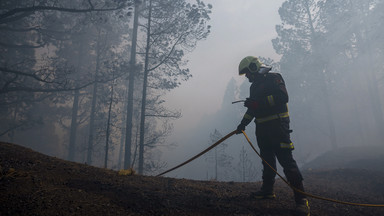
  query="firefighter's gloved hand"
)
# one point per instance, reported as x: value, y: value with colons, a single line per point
x: 252, y: 104
x: 240, y: 128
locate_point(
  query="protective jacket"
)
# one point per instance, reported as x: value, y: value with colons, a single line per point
x: 270, y: 93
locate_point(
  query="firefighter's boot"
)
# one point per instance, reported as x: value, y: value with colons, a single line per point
x: 302, y: 208
x: 266, y: 192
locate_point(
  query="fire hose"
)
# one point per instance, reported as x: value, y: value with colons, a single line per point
x: 274, y: 170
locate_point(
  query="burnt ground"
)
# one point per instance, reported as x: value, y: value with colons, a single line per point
x: 35, y: 184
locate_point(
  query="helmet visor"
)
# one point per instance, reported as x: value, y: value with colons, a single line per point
x: 251, y: 68
x: 244, y: 71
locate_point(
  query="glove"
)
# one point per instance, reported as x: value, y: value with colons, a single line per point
x: 240, y: 128
x: 251, y: 104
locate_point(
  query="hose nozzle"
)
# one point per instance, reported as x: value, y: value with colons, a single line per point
x: 238, y: 101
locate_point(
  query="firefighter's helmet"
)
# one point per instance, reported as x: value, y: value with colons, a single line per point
x: 249, y: 64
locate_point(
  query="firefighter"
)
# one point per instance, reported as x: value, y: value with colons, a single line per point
x: 267, y: 104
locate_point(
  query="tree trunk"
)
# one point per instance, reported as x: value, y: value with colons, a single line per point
x: 12, y: 133
x: 316, y: 47
x: 144, y: 96
x: 75, y: 109
x: 329, y: 116
x: 136, y: 146
x: 374, y: 98
x: 243, y: 160
x: 74, y: 125
x: 355, y: 101
x: 132, y: 73
x: 216, y: 163
x: 367, y: 67
x: 108, y: 126
x: 122, y: 134
x: 93, y: 106
x: 91, y: 125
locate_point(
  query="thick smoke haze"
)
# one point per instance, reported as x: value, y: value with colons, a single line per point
x: 348, y: 88
x: 74, y: 79
x: 239, y: 29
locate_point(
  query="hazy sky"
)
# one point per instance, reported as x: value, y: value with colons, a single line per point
x: 239, y: 28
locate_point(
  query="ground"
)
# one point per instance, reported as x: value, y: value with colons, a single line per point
x: 35, y: 184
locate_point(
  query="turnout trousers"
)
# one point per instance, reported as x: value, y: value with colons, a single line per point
x: 273, y: 139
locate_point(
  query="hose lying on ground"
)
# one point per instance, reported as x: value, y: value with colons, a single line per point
x: 254, y: 149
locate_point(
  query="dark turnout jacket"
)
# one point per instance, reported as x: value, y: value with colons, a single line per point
x: 270, y: 93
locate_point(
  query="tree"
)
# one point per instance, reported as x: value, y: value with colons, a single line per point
x: 97, y: 58
x: 48, y: 56
x: 349, y: 26
x: 300, y: 40
x: 18, y: 23
x: 67, y: 55
x: 219, y: 158
x: 167, y: 37
x: 29, y: 28
x: 326, y: 48
x: 12, y: 12
x: 131, y: 78
x: 247, y: 169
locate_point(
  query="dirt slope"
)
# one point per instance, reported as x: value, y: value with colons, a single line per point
x: 35, y: 184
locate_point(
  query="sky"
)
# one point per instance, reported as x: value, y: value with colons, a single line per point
x: 239, y: 28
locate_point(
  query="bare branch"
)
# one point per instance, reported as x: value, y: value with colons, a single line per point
x: 42, y: 90
x: 7, y: 70
x: 10, y: 81
x: 90, y: 3
x: 17, y: 11
x: 163, y: 116
x: 6, y: 28
x: 10, y: 129
x: 170, y: 52
x: 24, y: 46
x: 26, y: 100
